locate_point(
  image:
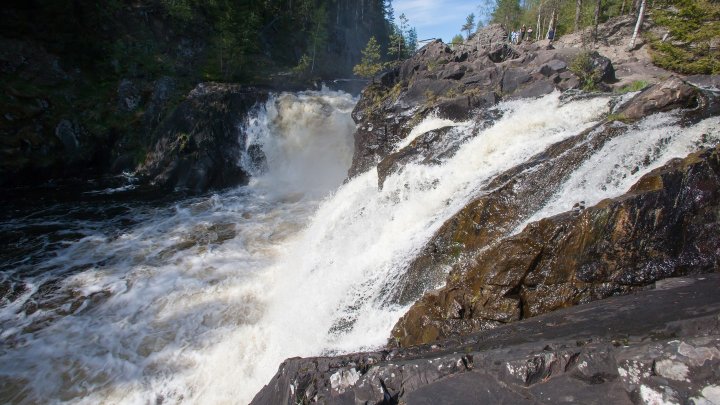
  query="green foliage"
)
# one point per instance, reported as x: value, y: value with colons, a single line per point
x: 469, y: 25
x: 183, y: 140
x: 403, y: 39
x: 303, y: 66
x: 457, y: 40
x: 370, y: 64
x: 178, y: 9
x: 637, y: 85
x: 694, y: 29
x: 617, y: 117
x: 589, y: 75
x: 506, y: 12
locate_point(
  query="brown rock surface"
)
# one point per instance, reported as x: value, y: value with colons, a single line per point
x: 667, y: 225
x: 662, y: 343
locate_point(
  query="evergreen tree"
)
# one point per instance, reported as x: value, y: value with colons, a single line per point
x: 411, y: 41
x: 396, y: 47
x: 507, y: 12
x: 370, y: 64
x: 457, y: 40
x: 469, y: 24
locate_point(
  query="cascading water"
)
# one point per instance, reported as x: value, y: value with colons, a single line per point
x: 199, y: 301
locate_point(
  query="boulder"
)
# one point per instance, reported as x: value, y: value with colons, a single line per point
x: 661, y: 344
x: 198, y: 146
x: 668, y: 95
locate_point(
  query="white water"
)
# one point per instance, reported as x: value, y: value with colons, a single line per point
x: 191, y: 319
x: 621, y: 162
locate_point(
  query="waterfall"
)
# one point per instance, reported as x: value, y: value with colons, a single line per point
x: 199, y: 300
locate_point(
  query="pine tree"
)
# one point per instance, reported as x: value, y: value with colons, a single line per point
x: 457, y: 40
x: 411, y: 41
x: 370, y: 64
x: 469, y: 24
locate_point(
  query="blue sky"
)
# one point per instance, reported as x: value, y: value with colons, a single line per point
x: 437, y: 18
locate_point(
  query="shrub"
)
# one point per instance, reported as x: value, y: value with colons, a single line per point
x: 584, y: 68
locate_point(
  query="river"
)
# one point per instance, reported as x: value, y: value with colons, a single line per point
x: 112, y: 297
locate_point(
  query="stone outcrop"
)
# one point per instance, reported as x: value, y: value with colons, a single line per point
x: 666, y: 225
x: 456, y: 83
x: 199, y: 146
x: 513, y: 196
x: 657, y: 346
x: 533, y: 315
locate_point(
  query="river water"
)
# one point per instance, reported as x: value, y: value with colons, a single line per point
x: 108, y: 297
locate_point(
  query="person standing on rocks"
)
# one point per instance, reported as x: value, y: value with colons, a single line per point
x: 551, y: 35
x: 523, y: 31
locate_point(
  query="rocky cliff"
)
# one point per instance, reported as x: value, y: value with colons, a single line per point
x: 87, y: 87
x: 658, y: 346
x: 496, y: 281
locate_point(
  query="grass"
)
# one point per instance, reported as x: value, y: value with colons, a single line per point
x: 637, y: 85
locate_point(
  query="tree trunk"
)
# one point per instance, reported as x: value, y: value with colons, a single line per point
x: 622, y: 8
x: 551, y: 26
x: 638, y: 25
x: 597, y: 19
x: 578, y: 12
x: 537, y: 30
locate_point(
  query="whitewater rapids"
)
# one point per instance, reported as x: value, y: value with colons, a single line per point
x: 199, y: 300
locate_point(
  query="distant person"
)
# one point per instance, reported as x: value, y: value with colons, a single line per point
x: 523, y: 31
x: 529, y: 34
x: 551, y: 34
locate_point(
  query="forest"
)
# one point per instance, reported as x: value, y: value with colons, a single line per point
x: 225, y: 40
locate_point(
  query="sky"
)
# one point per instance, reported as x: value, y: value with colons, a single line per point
x: 437, y: 18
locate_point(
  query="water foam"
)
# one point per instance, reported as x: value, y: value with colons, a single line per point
x: 174, y: 309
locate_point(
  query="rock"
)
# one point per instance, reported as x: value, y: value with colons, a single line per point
x: 553, y: 67
x: 487, y: 37
x: 198, y: 147
x: 418, y: 148
x: 706, y: 81
x: 128, y: 95
x: 457, y: 84
x: 514, y: 78
x: 648, y: 346
x: 668, y: 95
x: 501, y: 53
x: 578, y: 257
x: 69, y: 133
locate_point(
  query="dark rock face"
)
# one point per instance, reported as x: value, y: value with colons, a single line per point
x: 514, y: 195
x: 659, y: 344
x: 455, y: 84
x: 199, y: 146
x: 667, y: 225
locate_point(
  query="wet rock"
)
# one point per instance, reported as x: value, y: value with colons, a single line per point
x: 419, y: 148
x: 198, y: 146
x: 667, y: 225
x: 128, y: 95
x: 69, y: 133
x: 648, y: 346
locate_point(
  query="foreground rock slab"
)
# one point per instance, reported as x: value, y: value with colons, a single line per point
x: 660, y: 345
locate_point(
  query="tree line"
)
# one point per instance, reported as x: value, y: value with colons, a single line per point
x: 691, y: 27
x: 402, y: 44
